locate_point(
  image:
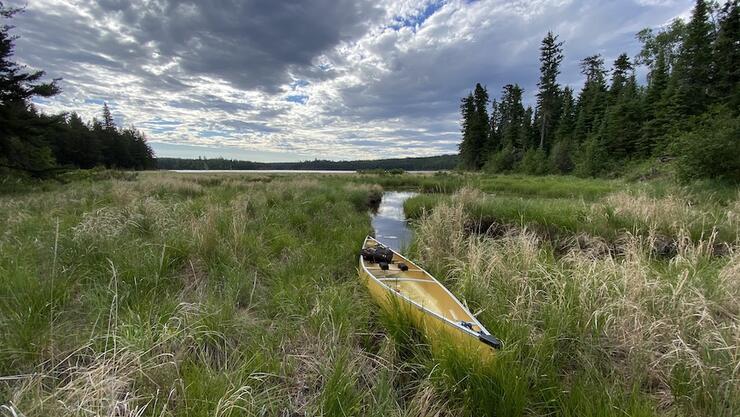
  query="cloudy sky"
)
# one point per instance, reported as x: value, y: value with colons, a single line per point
x: 293, y: 80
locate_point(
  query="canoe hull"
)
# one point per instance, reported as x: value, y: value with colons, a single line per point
x: 440, y: 333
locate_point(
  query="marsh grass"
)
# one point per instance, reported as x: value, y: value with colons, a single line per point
x: 181, y: 295
x: 603, y: 335
x: 611, y: 216
x: 159, y: 294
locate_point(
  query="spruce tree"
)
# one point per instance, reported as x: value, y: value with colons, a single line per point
x: 653, y: 128
x: 695, y: 61
x: 621, y: 72
x: 108, y: 123
x: 567, y: 120
x: 494, y: 139
x: 592, y: 99
x: 726, y: 57
x: 24, y: 144
x: 623, y: 122
x: 77, y: 145
x: 547, y: 97
x: 467, y: 146
x: 481, y: 126
x: 512, y: 117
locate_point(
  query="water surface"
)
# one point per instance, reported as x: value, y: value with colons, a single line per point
x: 389, y: 223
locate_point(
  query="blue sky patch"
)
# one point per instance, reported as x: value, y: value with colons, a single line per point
x: 298, y: 83
x: 297, y: 98
x: 418, y: 19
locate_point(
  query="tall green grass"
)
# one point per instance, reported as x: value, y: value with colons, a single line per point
x: 160, y: 294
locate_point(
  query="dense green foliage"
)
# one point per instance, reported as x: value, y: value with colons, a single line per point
x: 38, y: 144
x: 432, y: 163
x: 688, y: 110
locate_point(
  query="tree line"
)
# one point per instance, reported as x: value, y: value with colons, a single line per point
x: 431, y: 163
x: 39, y: 144
x: 687, y: 110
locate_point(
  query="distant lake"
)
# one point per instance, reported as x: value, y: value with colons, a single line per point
x: 259, y: 171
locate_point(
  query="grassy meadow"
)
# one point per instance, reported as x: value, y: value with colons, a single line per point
x: 163, y: 294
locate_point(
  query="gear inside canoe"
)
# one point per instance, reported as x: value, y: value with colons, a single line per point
x: 392, y: 278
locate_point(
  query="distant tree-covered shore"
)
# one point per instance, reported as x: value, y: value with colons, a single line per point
x: 688, y: 111
x: 432, y: 163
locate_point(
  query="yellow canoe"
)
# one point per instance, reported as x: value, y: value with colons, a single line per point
x: 432, y: 307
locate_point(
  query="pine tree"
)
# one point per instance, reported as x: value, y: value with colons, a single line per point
x: 621, y: 72
x: 726, y: 57
x: 592, y: 100
x: 108, y: 123
x: 481, y: 126
x: 623, y: 121
x: 467, y: 147
x: 494, y: 140
x: 567, y: 120
x: 547, y: 97
x: 654, y: 127
x: 142, y: 156
x: 695, y: 61
x: 512, y: 117
x: 77, y: 145
x: 24, y: 144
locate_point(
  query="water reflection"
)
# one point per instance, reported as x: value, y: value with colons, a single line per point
x: 390, y: 223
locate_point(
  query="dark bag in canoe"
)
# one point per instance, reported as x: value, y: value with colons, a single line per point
x: 377, y: 254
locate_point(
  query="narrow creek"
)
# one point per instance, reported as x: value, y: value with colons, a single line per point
x: 389, y: 222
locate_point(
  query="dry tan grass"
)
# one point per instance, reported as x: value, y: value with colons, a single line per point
x: 672, y: 213
x: 111, y: 221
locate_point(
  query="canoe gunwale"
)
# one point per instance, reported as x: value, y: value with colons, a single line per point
x: 444, y: 319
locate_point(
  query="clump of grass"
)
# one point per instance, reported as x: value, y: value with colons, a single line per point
x: 671, y: 214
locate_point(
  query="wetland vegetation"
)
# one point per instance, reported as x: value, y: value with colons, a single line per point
x: 234, y: 295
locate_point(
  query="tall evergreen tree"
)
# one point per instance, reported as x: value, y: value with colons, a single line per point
x: 481, y: 126
x: 623, y: 121
x: 551, y: 55
x: 512, y: 117
x: 567, y: 120
x: 77, y: 145
x: 592, y: 99
x: 494, y: 140
x: 108, y: 123
x: 621, y: 72
x: 467, y: 145
x: 654, y: 126
x: 695, y: 60
x: 23, y: 142
x: 726, y: 83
